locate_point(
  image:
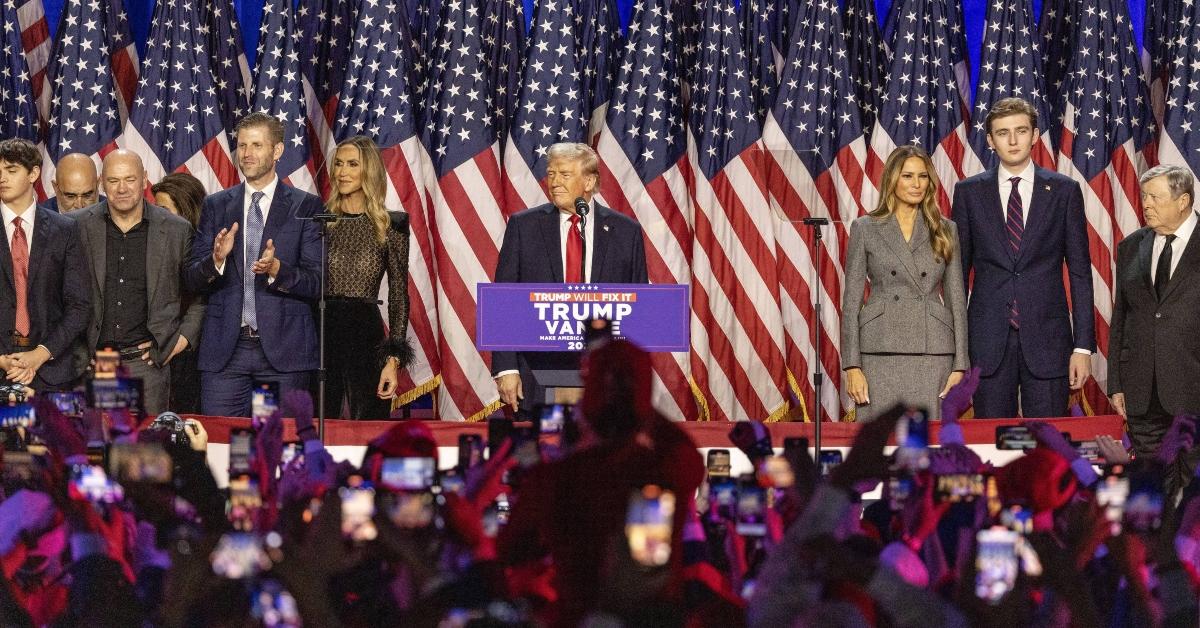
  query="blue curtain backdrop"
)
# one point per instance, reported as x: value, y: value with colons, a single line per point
x: 250, y: 13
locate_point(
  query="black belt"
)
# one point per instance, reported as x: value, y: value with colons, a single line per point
x: 130, y: 350
x: 21, y: 342
x: 364, y: 300
x: 248, y: 332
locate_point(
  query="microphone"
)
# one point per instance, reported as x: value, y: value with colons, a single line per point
x: 581, y: 210
x: 581, y: 207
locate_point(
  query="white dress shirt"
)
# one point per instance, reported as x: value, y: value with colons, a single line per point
x: 589, y: 236
x: 1182, y: 235
x: 265, y: 205
x: 1024, y: 189
x: 28, y: 215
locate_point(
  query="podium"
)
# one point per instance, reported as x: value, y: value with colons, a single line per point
x: 557, y: 387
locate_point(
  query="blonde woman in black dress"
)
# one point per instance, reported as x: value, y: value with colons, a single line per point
x: 363, y: 357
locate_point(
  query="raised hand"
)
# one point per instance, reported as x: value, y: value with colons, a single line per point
x: 223, y: 244
x: 957, y: 398
x: 267, y: 263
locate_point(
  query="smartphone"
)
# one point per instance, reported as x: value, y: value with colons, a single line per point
x: 293, y: 451
x: 92, y: 483
x: 241, y: 451
x: 114, y: 393
x: 722, y: 497
x: 553, y: 417
x: 1017, y: 519
x: 1144, y: 505
x: 358, y: 507
x: 107, y: 363
x: 718, y: 463
x: 407, y: 474
x: 17, y: 415
x: 1014, y: 437
x: 959, y: 487
x: 411, y: 510
x: 778, y: 472
x: 648, y: 521
x: 830, y: 459
x: 245, y: 501
x: 264, y: 402
x: 274, y: 607
x: 140, y: 462
x: 1090, y: 451
x: 498, y: 431
x: 996, y: 564
x: 525, y: 445
x: 751, y: 510
x: 239, y: 555
x: 68, y: 403
x: 451, y: 482
x: 899, y: 489
x: 912, y: 440
x: 1111, y: 493
x: 470, y: 451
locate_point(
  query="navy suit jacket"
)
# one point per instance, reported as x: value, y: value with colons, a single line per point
x: 284, y: 310
x: 1055, y: 231
x: 59, y: 290
x: 532, y: 253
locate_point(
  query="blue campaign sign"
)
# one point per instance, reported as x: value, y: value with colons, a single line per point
x: 551, y: 316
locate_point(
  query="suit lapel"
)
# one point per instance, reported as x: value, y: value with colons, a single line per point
x: 889, y: 231
x: 1038, y: 208
x: 6, y: 257
x: 1184, y: 269
x: 278, y: 215
x: 233, y: 213
x: 994, y: 212
x: 95, y: 228
x: 551, y: 242
x: 41, y: 238
x: 599, y: 242
x: 1144, y: 255
x: 156, y: 241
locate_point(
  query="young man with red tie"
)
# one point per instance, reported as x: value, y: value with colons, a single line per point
x: 1017, y: 225
x: 45, y: 292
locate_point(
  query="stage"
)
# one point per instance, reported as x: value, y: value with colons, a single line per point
x: 346, y: 440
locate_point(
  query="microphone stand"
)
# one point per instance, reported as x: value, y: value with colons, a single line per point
x: 323, y: 220
x: 581, y: 210
x: 817, y: 375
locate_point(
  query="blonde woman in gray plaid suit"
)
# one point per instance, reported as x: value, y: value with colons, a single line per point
x: 907, y: 343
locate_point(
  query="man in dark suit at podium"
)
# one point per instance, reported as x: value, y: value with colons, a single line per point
x: 1154, y: 351
x: 1017, y: 225
x: 545, y: 245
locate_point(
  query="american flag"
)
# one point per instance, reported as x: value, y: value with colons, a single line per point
x: 737, y: 330
x: 924, y: 105
x: 642, y: 172
x: 465, y: 186
x: 1179, y: 143
x: 18, y: 109
x: 1165, y: 32
x: 759, y: 23
x: 868, y: 59
x: 376, y: 100
x: 598, y: 28
x: 324, y: 59
x: 124, y: 56
x: 503, y: 51
x: 818, y: 150
x: 279, y: 91
x: 35, y: 41
x: 84, y: 116
x: 175, y: 125
x: 1059, y: 35
x: 1106, y: 125
x: 1011, y: 66
x: 227, y: 59
x: 549, y: 108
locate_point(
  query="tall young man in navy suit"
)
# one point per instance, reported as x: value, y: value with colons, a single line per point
x: 258, y: 257
x: 546, y: 245
x: 1017, y: 225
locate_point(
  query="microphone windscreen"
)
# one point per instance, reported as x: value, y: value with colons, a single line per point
x: 581, y: 206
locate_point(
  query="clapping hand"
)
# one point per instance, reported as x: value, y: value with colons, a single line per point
x: 223, y: 244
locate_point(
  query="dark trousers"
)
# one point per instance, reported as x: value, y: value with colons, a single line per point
x: 353, y: 333
x: 998, y: 393
x: 185, y: 383
x: 227, y: 392
x: 156, y: 384
x: 1146, y: 432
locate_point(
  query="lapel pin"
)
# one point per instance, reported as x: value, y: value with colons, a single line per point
x: 606, y: 227
x: 1047, y: 187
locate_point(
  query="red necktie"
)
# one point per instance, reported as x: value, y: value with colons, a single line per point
x: 20, y: 260
x: 574, y: 252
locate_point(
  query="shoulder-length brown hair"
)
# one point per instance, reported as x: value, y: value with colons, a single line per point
x: 939, y: 232
x: 374, y: 185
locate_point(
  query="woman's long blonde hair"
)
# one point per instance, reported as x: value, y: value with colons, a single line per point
x: 374, y: 185
x: 939, y: 232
